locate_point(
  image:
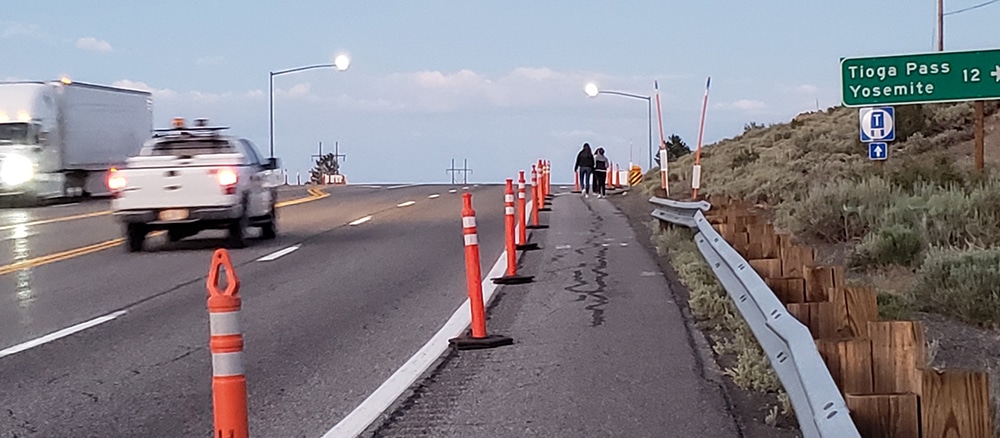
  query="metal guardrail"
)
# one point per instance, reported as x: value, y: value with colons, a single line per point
x: 818, y: 404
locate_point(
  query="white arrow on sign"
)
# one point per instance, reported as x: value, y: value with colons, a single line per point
x: 996, y: 73
x: 878, y: 151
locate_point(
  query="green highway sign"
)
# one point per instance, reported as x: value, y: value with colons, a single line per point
x: 921, y: 78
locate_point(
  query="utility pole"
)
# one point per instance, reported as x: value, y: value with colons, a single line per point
x: 337, y: 155
x: 465, y: 171
x: 980, y: 111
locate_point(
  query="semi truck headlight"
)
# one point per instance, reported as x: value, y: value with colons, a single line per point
x: 16, y: 170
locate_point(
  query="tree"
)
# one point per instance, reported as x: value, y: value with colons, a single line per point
x: 325, y: 165
x: 676, y: 147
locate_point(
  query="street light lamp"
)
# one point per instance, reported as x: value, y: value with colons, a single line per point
x: 592, y: 91
x: 341, y: 63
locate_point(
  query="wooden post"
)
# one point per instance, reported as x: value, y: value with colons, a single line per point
x: 820, y: 279
x: 955, y: 403
x: 788, y: 290
x: 980, y: 135
x: 862, y: 307
x: 849, y: 362
x: 899, y: 352
x: 886, y: 415
x: 767, y: 268
x: 794, y: 258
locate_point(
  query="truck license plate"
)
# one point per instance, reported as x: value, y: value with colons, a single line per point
x: 174, y: 214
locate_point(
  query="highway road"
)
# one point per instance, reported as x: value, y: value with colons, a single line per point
x: 324, y: 325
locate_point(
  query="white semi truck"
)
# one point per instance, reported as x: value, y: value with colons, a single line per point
x: 59, y: 139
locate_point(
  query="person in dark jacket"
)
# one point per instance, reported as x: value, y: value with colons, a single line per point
x: 600, y: 173
x: 584, y: 167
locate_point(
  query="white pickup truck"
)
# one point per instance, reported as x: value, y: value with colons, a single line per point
x: 188, y: 179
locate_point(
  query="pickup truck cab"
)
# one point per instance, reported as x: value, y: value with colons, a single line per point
x: 188, y: 179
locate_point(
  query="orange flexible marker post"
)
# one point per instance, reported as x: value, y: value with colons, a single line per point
x: 609, y: 182
x: 511, y: 276
x: 542, y: 197
x: 479, y: 338
x: 522, y: 217
x: 229, y: 385
x: 618, y: 177
x: 535, y: 201
x: 576, y: 182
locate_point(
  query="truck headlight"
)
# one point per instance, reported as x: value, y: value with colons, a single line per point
x: 16, y: 170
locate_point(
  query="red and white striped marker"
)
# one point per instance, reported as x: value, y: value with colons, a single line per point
x: 229, y: 385
x: 511, y: 276
x: 536, y: 201
x: 473, y: 276
x: 522, y: 216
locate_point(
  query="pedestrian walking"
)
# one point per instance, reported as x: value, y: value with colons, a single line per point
x: 600, y: 173
x: 585, y: 167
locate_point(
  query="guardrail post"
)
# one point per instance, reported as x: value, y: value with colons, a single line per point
x: 229, y: 385
x: 473, y: 276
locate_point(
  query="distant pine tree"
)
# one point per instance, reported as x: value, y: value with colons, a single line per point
x: 325, y: 165
x: 676, y: 148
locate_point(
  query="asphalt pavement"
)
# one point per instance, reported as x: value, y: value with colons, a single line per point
x: 324, y: 325
x: 600, y: 349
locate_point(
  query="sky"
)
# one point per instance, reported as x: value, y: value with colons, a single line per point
x: 499, y: 84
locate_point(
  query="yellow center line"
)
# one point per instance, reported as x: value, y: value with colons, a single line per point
x: 314, y: 194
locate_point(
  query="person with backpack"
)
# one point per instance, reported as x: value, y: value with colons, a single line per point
x: 600, y: 173
x: 584, y: 167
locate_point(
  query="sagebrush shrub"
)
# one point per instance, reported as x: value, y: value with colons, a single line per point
x: 964, y: 284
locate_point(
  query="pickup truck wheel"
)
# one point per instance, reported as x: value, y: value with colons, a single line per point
x: 269, y: 230
x: 135, y: 235
x: 237, y: 237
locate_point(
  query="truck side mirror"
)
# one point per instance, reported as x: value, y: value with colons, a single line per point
x: 271, y: 163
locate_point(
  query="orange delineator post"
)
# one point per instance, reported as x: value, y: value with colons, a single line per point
x: 618, y: 178
x: 609, y: 183
x: 229, y: 385
x: 536, y: 202
x: 511, y: 276
x: 473, y: 277
x: 576, y: 182
x: 522, y: 230
x: 542, y: 196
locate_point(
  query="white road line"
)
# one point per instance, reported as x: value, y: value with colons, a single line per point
x: 361, y: 417
x: 465, y: 188
x: 434, y: 196
x: 360, y: 221
x: 406, y: 204
x: 452, y: 191
x: 402, y: 186
x: 372, y: 187
x: 60, y: 334
x: 278, y: 254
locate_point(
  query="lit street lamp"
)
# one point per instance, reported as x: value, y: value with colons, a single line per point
x: 592, y: 91
x: 340, y: 63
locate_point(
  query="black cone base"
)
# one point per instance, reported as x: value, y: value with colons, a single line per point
x: 513, y: 279
x: 544, y: 209
x: 470, y: 343
x: 536, y: 227
x: 527, y: 247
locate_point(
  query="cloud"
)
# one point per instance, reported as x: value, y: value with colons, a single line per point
x: 165, y: 93
x: 800, y: 89
x: 26, y: 30
x: 742, y: 105
x: 254, y: 94
x: 93, y: 44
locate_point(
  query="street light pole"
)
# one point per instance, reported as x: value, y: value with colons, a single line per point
x: 592, y: 91
x: 341, y: 63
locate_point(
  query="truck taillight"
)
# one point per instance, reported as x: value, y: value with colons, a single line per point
x: 116, y: 181
x: 227, y: 179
